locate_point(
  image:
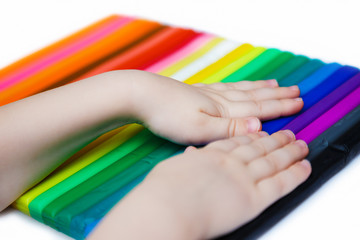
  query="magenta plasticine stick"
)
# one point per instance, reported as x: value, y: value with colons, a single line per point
x: 63, y: 53
x: 181, y: 53
x: 330, y: 117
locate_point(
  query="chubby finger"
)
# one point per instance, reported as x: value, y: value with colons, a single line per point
x: 265, y: 110
x: 249, y: 85
x: 261, y: 94
x: 282, y: 183
x: 241, y: 85
x: 278, y: 160
x: 234, y: 142
x: 264, y: 146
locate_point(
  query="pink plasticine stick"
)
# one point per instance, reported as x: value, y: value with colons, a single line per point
x: 56, y: 56
x: 180, y: 54
x: 330, y: 117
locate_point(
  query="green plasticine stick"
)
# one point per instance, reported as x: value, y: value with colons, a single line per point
x: 271, y: 67
x: 287, y: 68
x: 301, y: 73
x: 65, y: 216
x: 40, y: 202
x: 50, y: 211
x: 253, y: 66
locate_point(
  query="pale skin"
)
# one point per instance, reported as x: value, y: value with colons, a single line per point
x: 248, y: 170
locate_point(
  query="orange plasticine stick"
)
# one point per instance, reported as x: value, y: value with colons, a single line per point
x: 55, y: 46
x: 150, y: 50
x: 120, y: 39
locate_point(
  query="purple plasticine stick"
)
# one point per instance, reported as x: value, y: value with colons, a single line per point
x: 323, y: 105
x: 330, y: 117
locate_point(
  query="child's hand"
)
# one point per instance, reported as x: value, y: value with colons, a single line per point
x: 203, y: 113
x: 207, y: 192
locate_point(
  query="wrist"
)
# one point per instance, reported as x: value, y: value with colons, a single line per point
x: 119, y: 91
x: 173, y: 219
x: 143, y: 94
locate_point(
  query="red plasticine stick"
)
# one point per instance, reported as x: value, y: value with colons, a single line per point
x: 120, y: 39
x: 55, y: 46
x: 147, y: 52
x: 60, y: 54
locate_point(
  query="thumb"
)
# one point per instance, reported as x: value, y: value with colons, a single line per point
x: 219, y: 128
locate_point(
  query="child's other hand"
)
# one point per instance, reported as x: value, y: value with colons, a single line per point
x: 201, y: 113
x: 207, y: 192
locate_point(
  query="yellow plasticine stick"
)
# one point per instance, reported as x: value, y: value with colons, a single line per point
x: 218, y: 65
x: 191, y: 58
x: 77, y: 165
x: 229, y: 69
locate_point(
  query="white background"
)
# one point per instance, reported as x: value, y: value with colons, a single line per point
x: 325, y: 29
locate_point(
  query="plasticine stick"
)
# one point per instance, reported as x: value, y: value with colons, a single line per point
x: 181, y: 53
x: 315, y: 79
x: 211, y: 56
x: 287, y: 68
x: 37, y: 205
x: 271, y: 67
x: 88, y: 201
x: 220, y: 64
x: 232, y: 67
x: 190, y: 59
x: 262, y: 60
x: 301, y: 73
x: 76, y: 166
x: 66, y: 51
x: 120, y: 39
x: 55, y: 46
x: 147, y: 52
x: 323, y: 105
x: 50, y: 210
x: 330, y: 117
x: 313, y: 96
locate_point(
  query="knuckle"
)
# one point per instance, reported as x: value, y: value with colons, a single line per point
x: 232, y: 128
x: 279, y: 186
x: 235, y: 127
x: 260, y: 148
x: 252, y: 95
x: 271, y: 164
x: 241, y: 140
x: 258, y: 108
x: 224, y: 111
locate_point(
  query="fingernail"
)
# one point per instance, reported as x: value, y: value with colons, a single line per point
x: 263, y: 134
x: 298, y: 99
x: 273, y: 82
x: 294, y: 88
x: 305, y: 163
x: 253, y: 124
x: 190, y: 148
x: 301, y: 143
x: 289, y: 134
